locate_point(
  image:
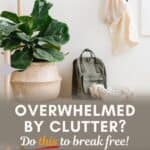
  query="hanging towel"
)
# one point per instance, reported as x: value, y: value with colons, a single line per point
x: 119, y: 21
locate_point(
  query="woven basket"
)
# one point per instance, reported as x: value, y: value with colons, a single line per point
x: 40, y: 81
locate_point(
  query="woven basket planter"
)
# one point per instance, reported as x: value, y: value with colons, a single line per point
x: 40, y: 81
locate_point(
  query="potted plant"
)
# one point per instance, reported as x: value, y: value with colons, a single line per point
x: 35, y: 42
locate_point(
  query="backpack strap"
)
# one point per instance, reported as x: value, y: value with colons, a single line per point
x: 89, y: 51
x: 92, y: 55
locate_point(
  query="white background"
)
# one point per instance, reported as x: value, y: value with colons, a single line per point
x: 85, y: 19
x: 145, y: 21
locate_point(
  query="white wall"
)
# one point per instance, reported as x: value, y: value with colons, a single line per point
x: 130, y: 69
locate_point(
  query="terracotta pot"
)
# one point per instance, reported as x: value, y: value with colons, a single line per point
x: 40, y: 81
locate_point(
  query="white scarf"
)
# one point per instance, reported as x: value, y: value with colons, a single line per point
x: 118, y: 19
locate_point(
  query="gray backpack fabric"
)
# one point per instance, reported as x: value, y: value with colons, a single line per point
x: 86, y: 71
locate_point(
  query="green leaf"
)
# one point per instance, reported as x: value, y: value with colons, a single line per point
x: 50, y: 46
x: 57, y: 33
x: 24, y: 36
x: 50, y: 55
x: 50, y: 41
x: 10, y: 44
x: 27, y: 24
x: 40, y: 15
x: 21, y: 59
x: 0, y: 43
x: 26, y: 19
x: 6, y: 28
x: 11, y: 16
x: 58, y: 56
x: 43, y: 55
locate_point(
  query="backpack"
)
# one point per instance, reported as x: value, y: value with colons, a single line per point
x: 86, y: 71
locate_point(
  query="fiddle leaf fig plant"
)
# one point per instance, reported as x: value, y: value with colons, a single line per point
x: 34, y: 38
